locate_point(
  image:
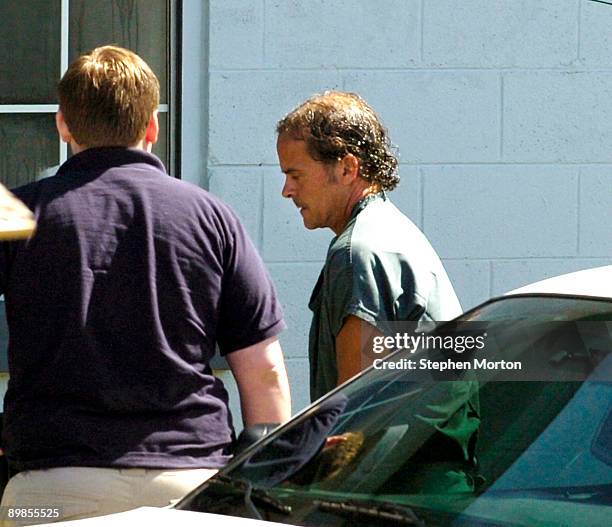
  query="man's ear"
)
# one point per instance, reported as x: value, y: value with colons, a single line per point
x: 62, y: 127
x: 152, y: 133
x: 350, y: 168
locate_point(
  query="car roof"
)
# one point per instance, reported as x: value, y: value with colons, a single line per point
x: 595, y: 282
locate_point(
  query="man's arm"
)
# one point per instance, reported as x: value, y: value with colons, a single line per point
x: 262, y: 382
x: 354, y: 347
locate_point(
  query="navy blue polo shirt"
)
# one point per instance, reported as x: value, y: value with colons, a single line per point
x: 114, y: 308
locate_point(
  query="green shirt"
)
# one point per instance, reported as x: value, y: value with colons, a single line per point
x: 380, y: 268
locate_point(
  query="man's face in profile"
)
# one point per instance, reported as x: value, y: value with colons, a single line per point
x: 312, y: 185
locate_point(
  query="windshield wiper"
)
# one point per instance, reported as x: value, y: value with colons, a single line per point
x: 253, y: 494
x: 370, y: 509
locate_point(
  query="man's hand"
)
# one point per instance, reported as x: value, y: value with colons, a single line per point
x: 262, y: 382
x: 354, y: 347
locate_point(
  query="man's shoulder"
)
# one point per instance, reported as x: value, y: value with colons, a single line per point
x: 29, y: 191
x: 159, y: 193
x: 380, y: 216
x: 188, y: 191
x: 382, y: 237
x: 383, y: 227
x: 135, y: 178
x: 374, y: 230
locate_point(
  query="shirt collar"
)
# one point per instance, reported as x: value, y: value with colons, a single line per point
x: 109, y: 156
x: 364, y: 202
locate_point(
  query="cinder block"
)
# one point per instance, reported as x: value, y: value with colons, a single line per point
x: 436, y: 116
x: 595, y: 37
x: 596, y: 211
x: 558, y: 117
x: 245, y: 107
x: 241, y: 189
x: 509, y: 275
x: 236, y: 34
x: 471, y: 280
x: 501, y: 211
x: 294, y: 283
x: 285, y: 239
x: 407, y: 196
x: 298, y: 371
x: 341, y: 34
x: 499, y: 33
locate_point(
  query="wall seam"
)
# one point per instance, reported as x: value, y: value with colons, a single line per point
x: 263, y: 32
x: 422, y: 26
x: 578, y: 210
x: 501, y: 115
x: 262, y: 209
x: 416, y: 164
x: 417, y: 69
x: 579, y: 32
x: 422, y: 196
x: 206, y: 94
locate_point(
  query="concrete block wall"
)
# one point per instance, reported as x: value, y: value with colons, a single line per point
x: 501, y: 111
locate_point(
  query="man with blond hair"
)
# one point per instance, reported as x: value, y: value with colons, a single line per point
x: 115, y: 307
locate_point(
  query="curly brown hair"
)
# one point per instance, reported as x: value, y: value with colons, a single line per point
x: 335, y: 124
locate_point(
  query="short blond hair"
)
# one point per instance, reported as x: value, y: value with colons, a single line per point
x: 107, y: 97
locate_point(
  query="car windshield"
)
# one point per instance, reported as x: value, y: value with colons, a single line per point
x: 525, y: 449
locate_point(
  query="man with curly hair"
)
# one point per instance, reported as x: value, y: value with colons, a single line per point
x: 338, y: 165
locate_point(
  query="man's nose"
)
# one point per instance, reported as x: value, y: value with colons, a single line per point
x: 288, y: 189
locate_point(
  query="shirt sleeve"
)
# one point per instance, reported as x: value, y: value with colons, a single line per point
x: 375, y: 287
x: 249, y: 308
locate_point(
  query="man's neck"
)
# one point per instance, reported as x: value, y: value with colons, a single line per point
x: 140, y: 145
x: 359, y: 192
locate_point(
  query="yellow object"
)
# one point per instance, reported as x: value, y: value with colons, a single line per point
x: 16, y: 220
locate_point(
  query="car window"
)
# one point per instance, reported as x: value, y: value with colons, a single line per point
x: 443, y: 447
x: 543, y: 308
